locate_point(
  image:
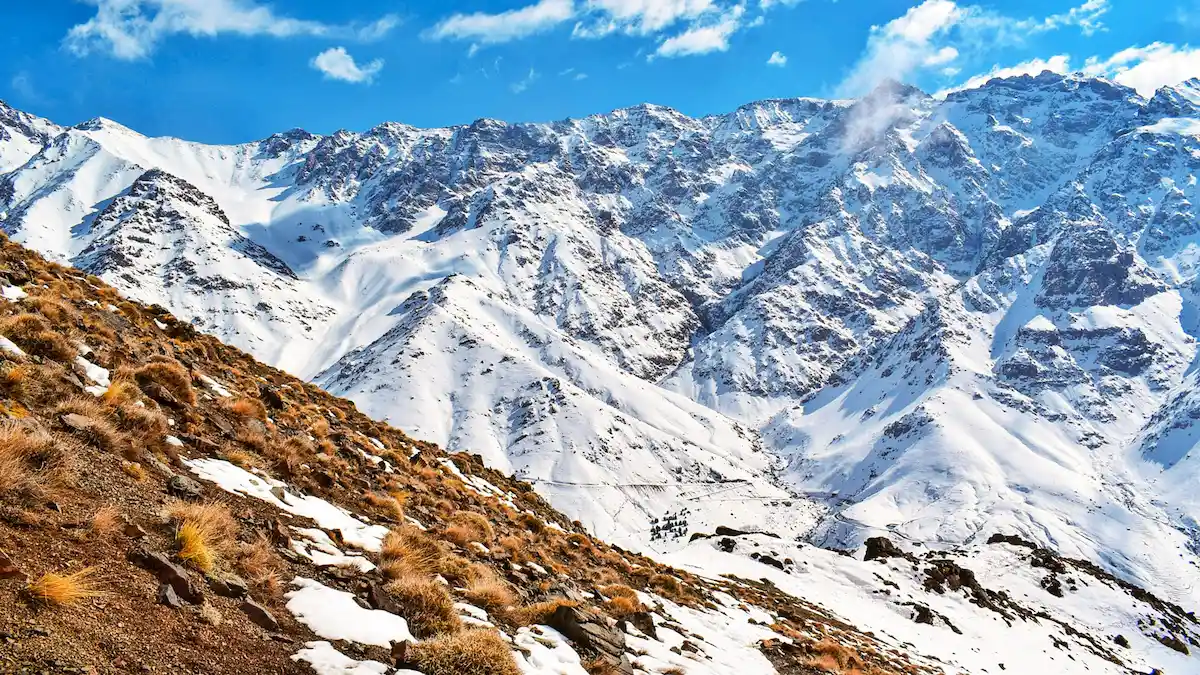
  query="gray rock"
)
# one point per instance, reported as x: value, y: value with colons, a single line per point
x: 182, y: 486
x: 228, y: 585
x: 260, y: 615
x: 167, y: 596
x: 168, y: 573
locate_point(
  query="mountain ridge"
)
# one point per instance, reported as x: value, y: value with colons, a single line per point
x: 755, y: 263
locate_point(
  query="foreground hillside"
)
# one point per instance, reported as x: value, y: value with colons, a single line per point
x: 168, y: 504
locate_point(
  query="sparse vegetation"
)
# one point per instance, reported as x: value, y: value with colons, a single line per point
x: 204, y: 532
x: 475, y: 651
x: 171, y: 376
x: 66, y: 589
x: 427, y: 604
x: 33, y: 335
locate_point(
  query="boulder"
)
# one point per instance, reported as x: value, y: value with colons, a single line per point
x: 260, y: 615
x: 167, y: 573
x: 881, y: 548
x: 590, y: 630
x: 184, y: 487
x: 228, y: 585
x: 167, y: 596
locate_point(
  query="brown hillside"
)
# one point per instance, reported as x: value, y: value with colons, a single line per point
x: 115, y: 558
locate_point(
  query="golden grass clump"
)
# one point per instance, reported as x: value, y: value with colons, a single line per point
x: 488, y: 590
x: 106, y: 521
x: 99, y: 432
x: 66, y: 589
x: 258, y: 563
x: 33, y: 334
x: 539, y: 612
x: 833, y: 657
x: 391, y: 504
x: 475, y: 651
x: 407, y: 550
x: 249, y: 408
x: 204, y: 532
x: 427, y: 605
x: 466, y: 527
x: 121, y: 391
x: 32, y: 462
x: 170, y: 375
x: 54, y: 310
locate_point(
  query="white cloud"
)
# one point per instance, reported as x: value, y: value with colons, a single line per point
x: 777, y: 59
x: 337, y: 64
x: 1086, y: 16
x: 523, y: 84
x: 902, y: 45
x: 1148, y: 68
x: 641, y: 17
x: 1144, y: 69
x: 131, y: 29
x: 932, y: 34
x: 703, y: 39
x: 1060, y: 63
x: 941, y: 56
x: 505, y: 26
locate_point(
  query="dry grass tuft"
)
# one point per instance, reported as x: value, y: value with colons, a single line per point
x: 259, y: 565
x: 170, y: 375
x: 427, y: 604
x: 248, y: 408
x: 204, y: 532
x: 66, y: 589
x: 32, y: 462
x: 407, y: 550
x: 106, y: 521
x: 488, y: 590
x: 539, y: 612
x: 475, y: 651
x: 55, y: 311
x: 466, y: 527
x: 834, y: 657
x: 121, y: 391
x: 100, y: 431
x: 33, y: 334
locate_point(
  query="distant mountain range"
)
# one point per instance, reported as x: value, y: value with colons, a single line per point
x: 936, y: 319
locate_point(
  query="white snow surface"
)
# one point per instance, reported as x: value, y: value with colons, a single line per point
x: 237, y: 480
x: 334, y: 615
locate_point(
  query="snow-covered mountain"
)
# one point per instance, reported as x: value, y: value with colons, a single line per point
x: 934, y: 318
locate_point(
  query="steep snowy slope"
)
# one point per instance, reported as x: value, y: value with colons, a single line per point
x: 940, y: 318
x: 169, y: 244
x: 21, y: 136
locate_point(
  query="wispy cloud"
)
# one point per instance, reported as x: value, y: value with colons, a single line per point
x: 777, y: 59
x: 483, y: 28
x: 1060, y: 63
x: 933, y: 35
x: 700, y: 26
x: 703, y: 38
x: 1144, y: 69
x: 338, y: 64
x: 521, y: 85
x: 132, y: 29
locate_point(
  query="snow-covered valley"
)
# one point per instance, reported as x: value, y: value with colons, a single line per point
x: 931, y: 319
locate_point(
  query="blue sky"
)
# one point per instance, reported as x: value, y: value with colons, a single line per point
x: 236, y: 70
